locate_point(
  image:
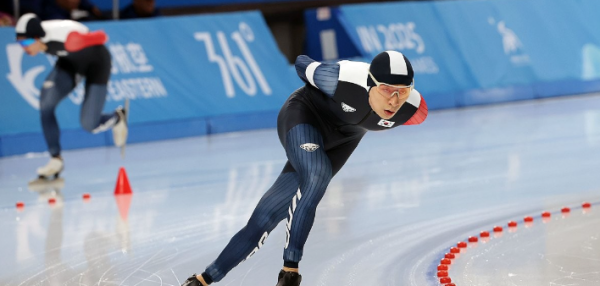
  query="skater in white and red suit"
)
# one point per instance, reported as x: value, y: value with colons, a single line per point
x: 81, y: 54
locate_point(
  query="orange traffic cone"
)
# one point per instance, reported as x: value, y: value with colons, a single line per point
x: 123, y: 187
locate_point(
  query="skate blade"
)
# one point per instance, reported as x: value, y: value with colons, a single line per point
x: 127, y: 110
x: 126, y: 120
x: 42, y: 184
x: 123, y: 151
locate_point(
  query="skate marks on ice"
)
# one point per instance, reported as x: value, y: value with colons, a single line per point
x: 562, y: 252
x: 48, y: 189
x: 93, y: 244
x: 41, y: 184
x: 565, y: 251
x: 404, y: 256
x: 110, y: 259
x: 459, y: 166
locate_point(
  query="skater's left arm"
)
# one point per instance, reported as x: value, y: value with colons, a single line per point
x: 323, y: 76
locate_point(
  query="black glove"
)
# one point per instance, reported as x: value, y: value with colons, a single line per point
x: 192, y: 281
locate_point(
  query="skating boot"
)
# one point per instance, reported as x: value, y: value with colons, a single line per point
x: 52, y: 169
x: 289, y: 279
x: 121, y: 130
x: 48, y: 174
x: 192, y: 281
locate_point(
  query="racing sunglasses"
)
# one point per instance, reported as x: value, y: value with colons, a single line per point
x: 26, y: 42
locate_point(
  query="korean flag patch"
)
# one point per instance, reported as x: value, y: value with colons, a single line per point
x: 386, y: 123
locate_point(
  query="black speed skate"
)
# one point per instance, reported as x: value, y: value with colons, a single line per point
x: 192, y: 281
x: 289, y: 279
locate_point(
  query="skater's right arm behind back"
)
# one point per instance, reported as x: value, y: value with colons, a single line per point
x: 323, y: 76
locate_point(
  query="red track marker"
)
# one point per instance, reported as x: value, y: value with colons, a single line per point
x: 123, y: 187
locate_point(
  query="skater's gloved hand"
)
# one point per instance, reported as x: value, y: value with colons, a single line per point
x: 192, y: 281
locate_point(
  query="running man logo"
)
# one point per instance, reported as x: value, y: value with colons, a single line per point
x: 509, y: 39
x: 511, y: 43
x: 23, y: 82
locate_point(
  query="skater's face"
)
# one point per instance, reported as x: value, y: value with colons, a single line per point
x: 31, y: 46
x: 387, y: 99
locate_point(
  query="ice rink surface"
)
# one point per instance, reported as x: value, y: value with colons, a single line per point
x: 388, y: 217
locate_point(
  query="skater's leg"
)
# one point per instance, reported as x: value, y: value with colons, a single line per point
x: 304, y: 146
x: 271, y: 209
x: 340, y: 154
x: 57, y: 86
x: 277, y: 201
x: 96, y: 89
x: 91, y: 116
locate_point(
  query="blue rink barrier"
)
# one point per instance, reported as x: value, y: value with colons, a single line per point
x: 326, y: 39
x: 108, y: 4
x: 480, y: 52
x: 185, y: 76
x: 199, y: 75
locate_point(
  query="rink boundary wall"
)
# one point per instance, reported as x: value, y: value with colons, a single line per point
x: 146, y: 132
x: 202, y: 89
x: 170, y: 96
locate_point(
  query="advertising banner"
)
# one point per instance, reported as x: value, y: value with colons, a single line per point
x: 172, y: 69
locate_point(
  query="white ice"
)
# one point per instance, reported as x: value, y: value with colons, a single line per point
x: 402, y: 199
